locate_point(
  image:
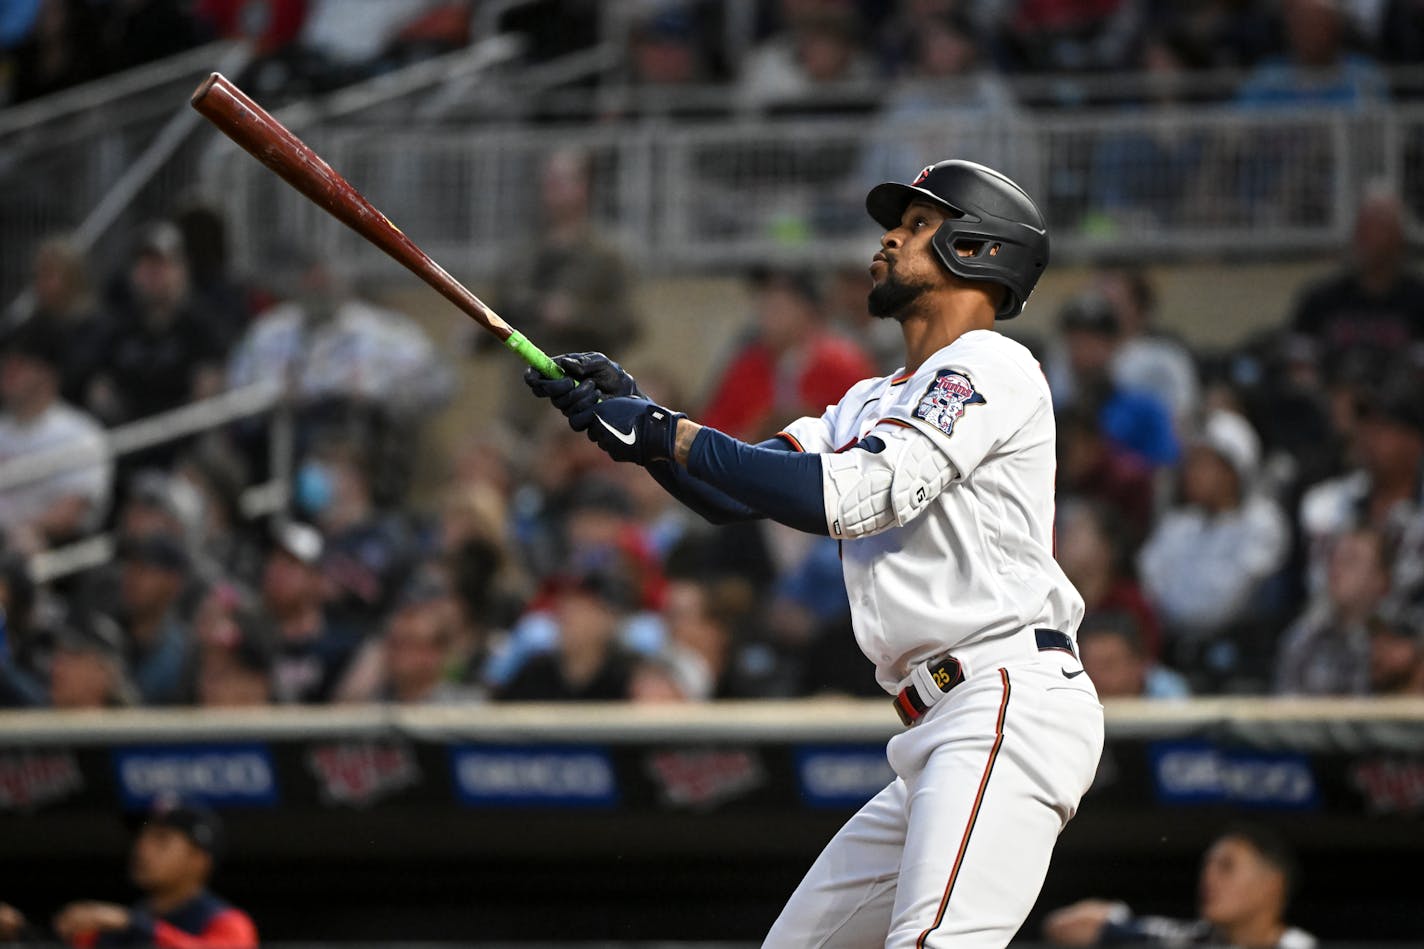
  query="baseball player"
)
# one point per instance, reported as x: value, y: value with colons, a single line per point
x: 938, y: 481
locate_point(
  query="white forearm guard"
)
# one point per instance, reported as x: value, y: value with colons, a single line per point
x: 867, y: 492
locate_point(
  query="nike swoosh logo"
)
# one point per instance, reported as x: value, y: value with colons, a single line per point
x: 1069, y: 675
x: 627, y: 438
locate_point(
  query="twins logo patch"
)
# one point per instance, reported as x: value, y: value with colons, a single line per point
x: 944, y: 401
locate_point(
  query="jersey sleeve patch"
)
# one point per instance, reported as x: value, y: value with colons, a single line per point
x: 945, y: 400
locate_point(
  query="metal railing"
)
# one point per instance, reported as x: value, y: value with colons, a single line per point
x: 1162, y: 183
x: 269, y: 497
x: 81, y: 161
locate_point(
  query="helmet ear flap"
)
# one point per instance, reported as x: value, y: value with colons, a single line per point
x: 966, y: 256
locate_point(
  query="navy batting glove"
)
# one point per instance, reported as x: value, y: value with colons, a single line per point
x: 611, y: 379
x: 588, y: 378
x: 631, y: 429
x: 569, y: 395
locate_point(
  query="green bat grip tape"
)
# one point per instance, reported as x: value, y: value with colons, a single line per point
x: 533, y: 355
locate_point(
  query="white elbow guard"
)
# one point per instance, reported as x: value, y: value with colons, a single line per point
x: 867, y: 492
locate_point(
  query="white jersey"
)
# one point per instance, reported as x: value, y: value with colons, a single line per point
x: 976, y: 565
x: 90, y: 475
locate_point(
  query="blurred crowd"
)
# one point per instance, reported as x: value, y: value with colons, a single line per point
x: 773, y: 52
x: 307, y: 45
x: 1239, y: 521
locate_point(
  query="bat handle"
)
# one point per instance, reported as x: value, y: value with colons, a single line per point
x: 533, y: 355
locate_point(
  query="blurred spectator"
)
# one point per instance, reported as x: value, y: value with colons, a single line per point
x: 1397, y: 655
x: 483, y: 605
x: 1112, y: 651
x: 157, y: 503
x: 948, y: 101
x: 846, y: 310
x: 1327, y: 650
x: 1399, y: 31
x: 706, y: 620
x: 419, y: 648
x: 810, y: 593
x: 368, y: 551
x: 588, y: 663
x: 62, y: 297
x: 1092, y: 467
x: 215, y: 476
x: 1383, y: 493
x: 1317, y: 69
x: 1148, y: 360
x: 1071, y: 35
x: 21, y: 667
x: 821, y: 47
x: 667, y: 677
x: 223, y: 299
x: 1094, y: 553
x: 86, y: 663
x: 601, y: 531
x: 339, y: 355
x: 354, y: 370
x: 830, y: 663
x: 1147, y: 175
x: 269, y: 24
x: 312, y: 652
x: 665, y: 47
x: 661, y: 522
x: 553, y: 27
x: 1227, y: 34
x: 793, y: 364
x: 39, y: 512
x: 61, y: 49
x: 173, y: 857
x: 159, y: 352
x: 235, y: 652
x: 1302, y: 417
x: 156, y: 634
x: 1207, y: 560
x: 1247, y: 878
x: 135, y: 32
x: 354, y: 34
x: 1372, y: 312
x: 1081, y: 373
x: 572, y: 289
x: 483, y: 572
x: 414, y: 661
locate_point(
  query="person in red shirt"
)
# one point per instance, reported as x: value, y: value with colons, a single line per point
x: 793, y: 364
x: 173, y: 857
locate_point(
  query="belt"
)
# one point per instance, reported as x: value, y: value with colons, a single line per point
x: 930, y: 680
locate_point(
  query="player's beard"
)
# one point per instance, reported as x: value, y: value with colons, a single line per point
x: 893, y: 298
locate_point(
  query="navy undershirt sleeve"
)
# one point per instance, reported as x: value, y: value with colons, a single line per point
x: 783, y: 485
x: 703, y: 499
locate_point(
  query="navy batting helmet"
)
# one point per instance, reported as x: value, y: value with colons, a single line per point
x: 993, y: 216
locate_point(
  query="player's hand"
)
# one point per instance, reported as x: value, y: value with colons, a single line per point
x: 12, y: 922
x: 611, y: 379
x: 588, y: 378
x: 1080, y: 924
x: 631, y: 429
x: 90, y: 917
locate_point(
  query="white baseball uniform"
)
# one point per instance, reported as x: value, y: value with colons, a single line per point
x: 947, y: 550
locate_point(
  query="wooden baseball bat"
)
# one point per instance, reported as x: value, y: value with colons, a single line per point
x: 274, y: 145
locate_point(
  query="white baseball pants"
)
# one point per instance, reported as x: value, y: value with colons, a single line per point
x: 953, y: 853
